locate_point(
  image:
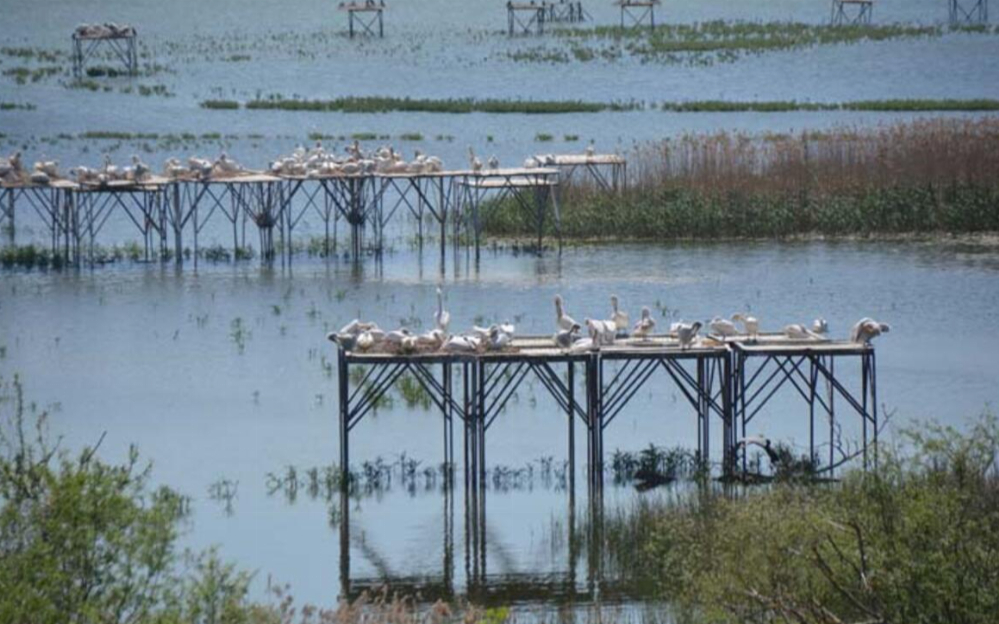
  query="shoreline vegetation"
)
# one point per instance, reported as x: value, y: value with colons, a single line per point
x: 912, y: 539
x: 920, y: 178
x: 377, y: 104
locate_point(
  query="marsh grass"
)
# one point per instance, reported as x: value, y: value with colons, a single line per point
x: 453, y: 105
x: 924, y: 177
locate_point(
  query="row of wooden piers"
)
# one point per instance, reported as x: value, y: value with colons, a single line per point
x: 161, y: 209
x: 725, y: 384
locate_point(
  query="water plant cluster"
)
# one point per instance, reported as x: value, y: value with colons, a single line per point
x: 913, y: 540
x: 923, y: 177
x: 718, y: 40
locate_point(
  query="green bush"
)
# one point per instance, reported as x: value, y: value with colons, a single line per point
x: 912, y: 541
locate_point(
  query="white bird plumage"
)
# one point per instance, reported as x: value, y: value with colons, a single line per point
x: 620, y: 317
x: 687, y: 333
x: 722, y: 327
x: 867, y: 329
x: 750, y: 325
x: 442, y: 318
x: 562, y: 320
x: 644, y: 326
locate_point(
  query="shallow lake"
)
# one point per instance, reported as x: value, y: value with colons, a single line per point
x: 224, y: 373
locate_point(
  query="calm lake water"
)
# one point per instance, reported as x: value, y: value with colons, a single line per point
x: 224, y: 372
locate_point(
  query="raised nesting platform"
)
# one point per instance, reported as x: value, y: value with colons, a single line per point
x: 608, y: 171
x: 526, y: 18
x: 729, y: 381
x: 968, y: 11
x: 637, y: 14
x: 367, y: 15
x: 120, y: 40
x: 852, y: 12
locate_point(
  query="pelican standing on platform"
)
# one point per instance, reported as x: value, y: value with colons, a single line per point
x: 442, y: 318
x: 565, y: 338
x: 619, y: 317
x: 750, y: 325
x: 867, y: 329
x: 723, y: 327
x: 474, y: 160
x: 643, y: 328
x: 563, y: 320
x: 687, y: 334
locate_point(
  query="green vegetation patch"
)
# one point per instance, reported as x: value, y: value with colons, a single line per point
x: 459, y: 105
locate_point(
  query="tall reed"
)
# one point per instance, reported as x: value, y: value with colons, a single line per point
x: 929, y: 176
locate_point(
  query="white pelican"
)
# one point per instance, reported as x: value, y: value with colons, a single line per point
x: 565, y: 338
x: 867, y: 329
x: 442, y: 318
x: 432, y: 339
x: 493, y: 162
x: 590, y: 150
x: 365, y: 341
x: 619, y: 317
x: 687, y: 334
x: 820, y: 326
x: 796, y: 331
x: 39, y: 177
x: 140, y: 170
x: 562, y: 320
x: 583, y: 345
x: 750, y: 326
x: 48, y: 167
x: 474, y: 160
x: 531, y: 162
x: 722, y: 327
x: 398, y: 336
x: 110, y: 170
x: 462, y: 344
x: 15, y: 162
x: 645, y: 325
x: 602, y: 332
x: 498, y: 339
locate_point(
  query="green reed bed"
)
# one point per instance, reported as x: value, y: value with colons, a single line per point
x: 723, y: 40
x: 926, y: 177
x: 455, y: 105
x: 913, y: 540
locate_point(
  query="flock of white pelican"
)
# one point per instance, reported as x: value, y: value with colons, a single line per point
x: 314, y: 162
x: 318, y: 162
x: 107, y: 30
x: 366, y: 336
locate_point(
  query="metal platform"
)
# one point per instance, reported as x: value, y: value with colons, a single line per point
x: 726, y: 384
